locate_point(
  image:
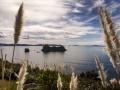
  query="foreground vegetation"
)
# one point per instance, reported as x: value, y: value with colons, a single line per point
x: 37, y: 79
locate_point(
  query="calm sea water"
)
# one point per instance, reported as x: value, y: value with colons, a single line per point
x: 78, y: 58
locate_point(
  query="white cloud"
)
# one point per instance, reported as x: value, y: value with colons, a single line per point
x: 39, y: 32
x: 78, y: 4
x: 76, y: 10
x: 43, y: 21
x: 34, y: 10
x: 44, y: 10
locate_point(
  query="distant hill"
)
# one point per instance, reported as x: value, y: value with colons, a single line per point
x: 3, y: 44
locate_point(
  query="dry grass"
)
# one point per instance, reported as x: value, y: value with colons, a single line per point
x: 112, y: 45
x: 18, y: 24
x: 101, y: 72
x: 111, y: 42
x: 22, y: 76
x: 17, y: 28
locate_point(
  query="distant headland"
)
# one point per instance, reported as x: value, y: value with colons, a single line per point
x: 10, y: 44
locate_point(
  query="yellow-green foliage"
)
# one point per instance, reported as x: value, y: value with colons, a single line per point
x: 6, y: 85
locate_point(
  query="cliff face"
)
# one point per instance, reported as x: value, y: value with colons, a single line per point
x: 53, y: 48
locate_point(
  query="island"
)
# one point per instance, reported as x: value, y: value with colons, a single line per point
x: 26, y: 50
x: 53, y: 48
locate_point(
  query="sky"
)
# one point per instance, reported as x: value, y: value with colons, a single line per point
x: 68, y: 22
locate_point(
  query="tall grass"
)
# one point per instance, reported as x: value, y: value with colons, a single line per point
x: 73, y: 82
x: 22, y: 76
x: 110, y: 38
x: 2, y: 64
x: 59, y: 82
x: 3, y: 67
x: 17, y: 30
x: 101, y: 72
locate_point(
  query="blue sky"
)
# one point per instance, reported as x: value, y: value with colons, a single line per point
x: 56, y: 21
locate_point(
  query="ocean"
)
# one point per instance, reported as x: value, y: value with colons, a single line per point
x: 76, y: 58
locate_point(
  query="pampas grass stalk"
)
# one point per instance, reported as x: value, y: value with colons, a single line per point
x: 101, y: 72
x: 3, y: 67
x: 2, y: 64
x: 21, y: 76
x: 17, y: 28
x: 59, y: 82
x: 111, y: 38
x: 114, y: 40
x: 112, y: 32
x: 73, y: 82
x: 108, y: 34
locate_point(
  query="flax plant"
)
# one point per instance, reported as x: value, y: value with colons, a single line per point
x: 101, y: 72
x: 17, y: 29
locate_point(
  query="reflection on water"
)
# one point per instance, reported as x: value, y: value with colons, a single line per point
x: 77, y: 58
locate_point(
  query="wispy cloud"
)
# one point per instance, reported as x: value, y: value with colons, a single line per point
x: 54, y: 21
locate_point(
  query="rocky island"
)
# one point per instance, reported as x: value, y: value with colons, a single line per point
x: 53, y: 48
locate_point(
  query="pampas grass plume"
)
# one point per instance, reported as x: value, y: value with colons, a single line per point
x: 113, y: 81
x: 17, y: 31
x: 18, y: 24
x: 107, y: 36
x: 59, y: 82
x: 73, y: 82
x: 101, y: 72
x: 21, y: 76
